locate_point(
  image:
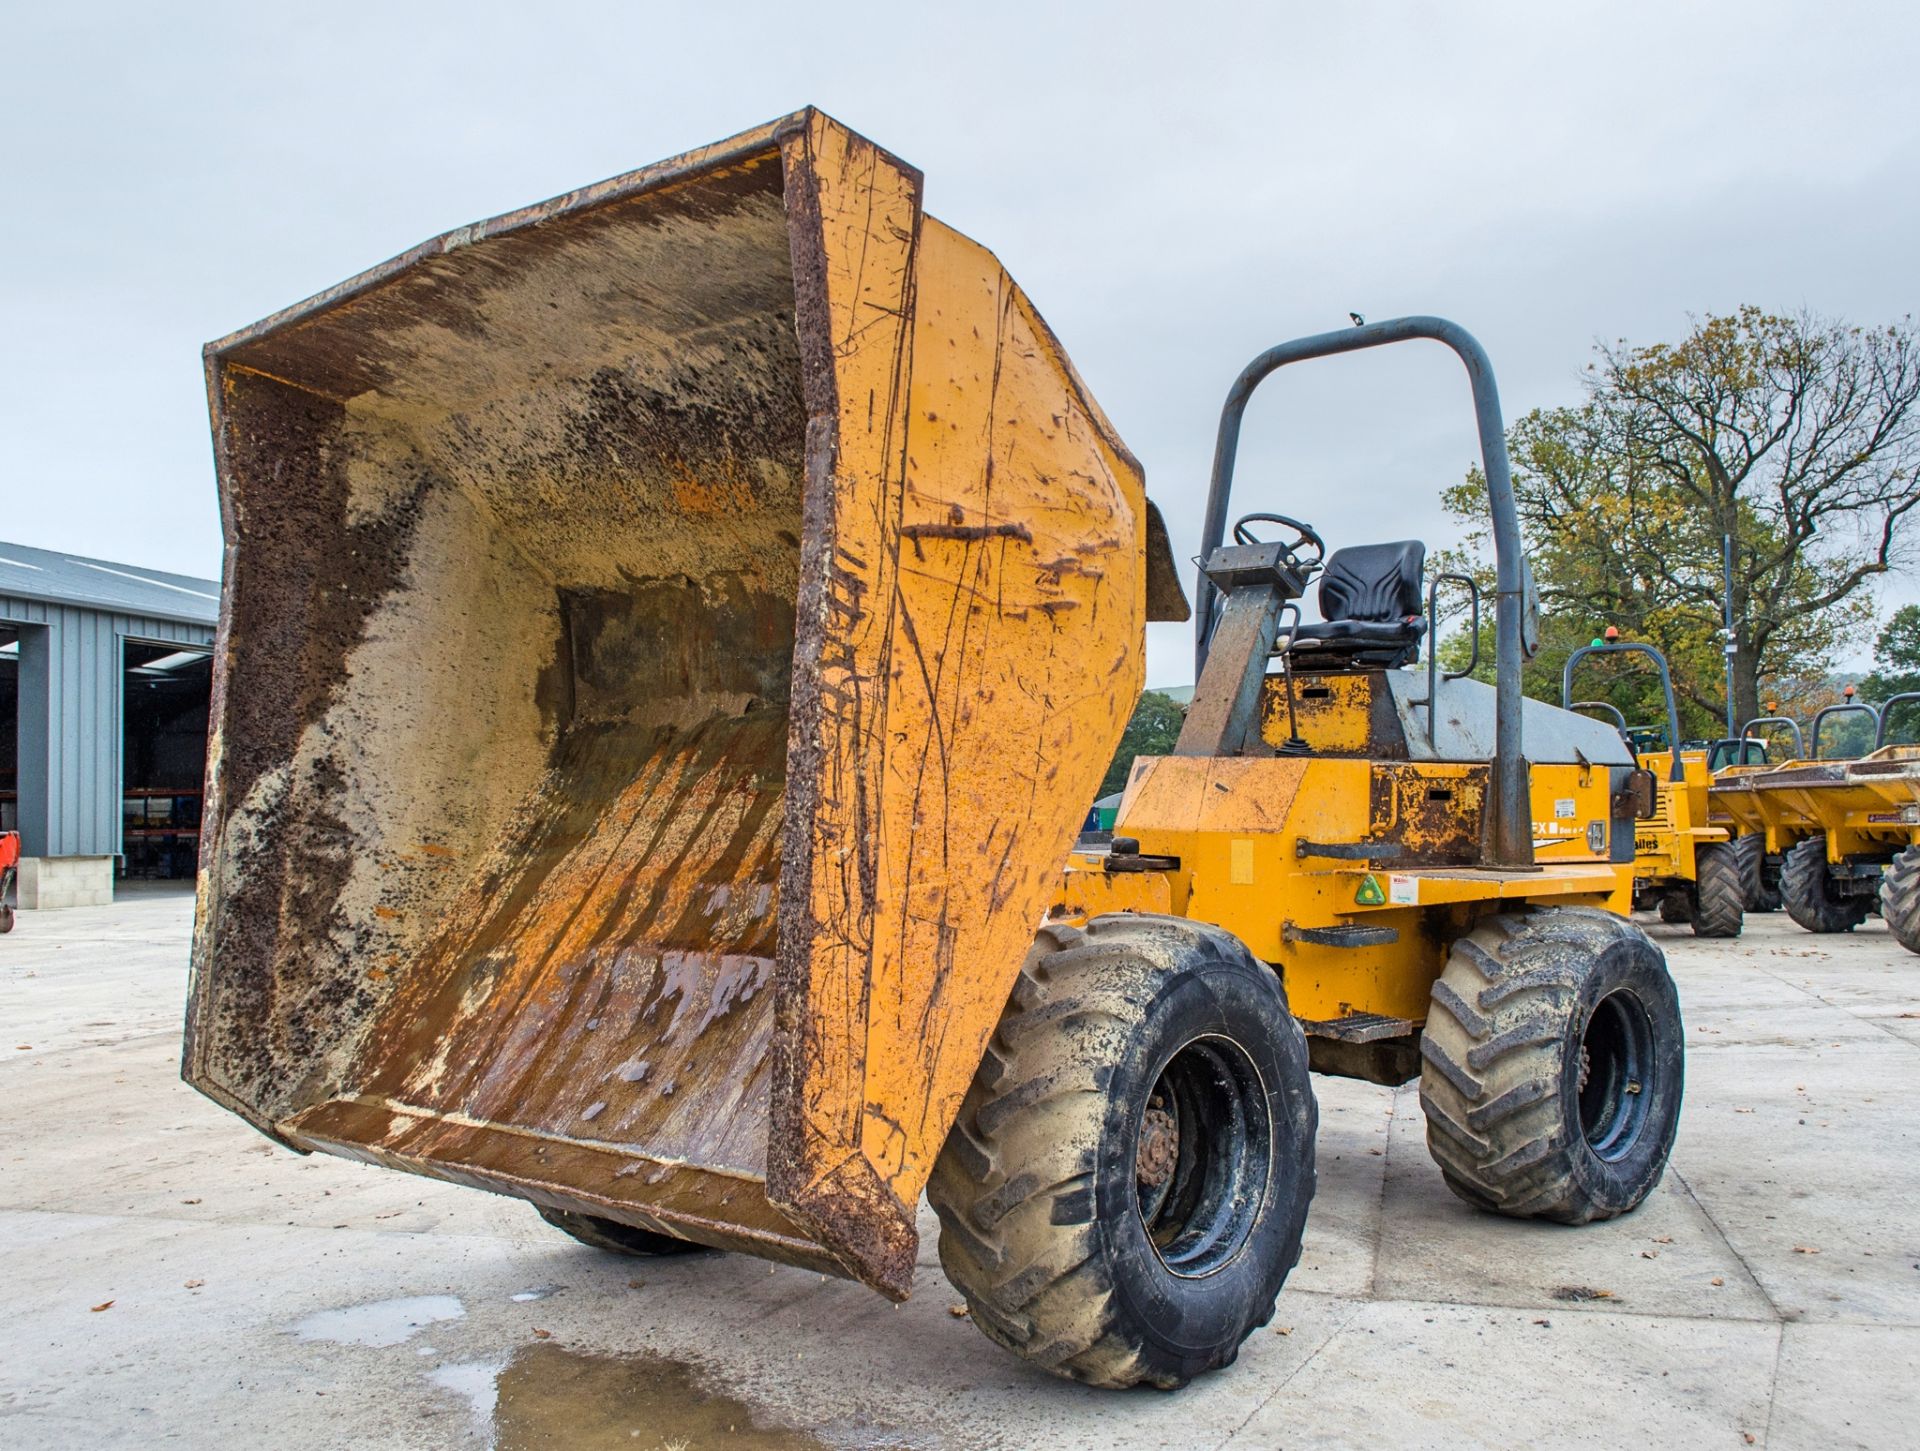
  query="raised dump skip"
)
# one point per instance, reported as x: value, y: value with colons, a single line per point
x: 670, y: 635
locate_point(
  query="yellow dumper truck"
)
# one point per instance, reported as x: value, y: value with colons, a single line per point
x: 1686, y: 866
x: 669, y: 637
x: 1841, y: 837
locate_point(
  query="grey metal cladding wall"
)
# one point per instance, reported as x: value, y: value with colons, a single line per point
x: 81, y: 769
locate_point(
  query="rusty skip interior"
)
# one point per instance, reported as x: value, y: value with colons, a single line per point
x: 562, y: 622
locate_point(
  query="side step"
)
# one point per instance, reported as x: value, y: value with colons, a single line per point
x: 1358, y: 1028
x: 1364, y: 1045
x: 1356, y: 935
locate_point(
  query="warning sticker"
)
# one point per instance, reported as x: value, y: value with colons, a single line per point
x: 1563, y: 808
x: 1403, y: 891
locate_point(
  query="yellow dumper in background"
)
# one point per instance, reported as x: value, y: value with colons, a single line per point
x: 1686, y: 865
x: 669, y: 637
x: 1840, y: 839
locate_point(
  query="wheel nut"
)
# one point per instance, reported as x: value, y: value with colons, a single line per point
x: 1159, y: 1147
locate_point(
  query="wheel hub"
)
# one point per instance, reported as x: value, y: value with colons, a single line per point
x: 1202, y: 1156
x: 1616, y: 1063
x: 1159, y: 1146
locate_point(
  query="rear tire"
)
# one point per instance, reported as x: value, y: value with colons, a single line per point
x: 1900, y: 898
x: 1555, y: 1064
x: 1126, y: 1186
x: 1806, y: 886
x: 6, y: 919
x: 614, y: 1237
x: 1676, y: 909
x: 1719, y: 891
x: 1760, y: 883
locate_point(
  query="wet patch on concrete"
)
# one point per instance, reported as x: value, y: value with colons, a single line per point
x: 478, y: 1384
x: 379, y: 1323
x: 550, y: 1396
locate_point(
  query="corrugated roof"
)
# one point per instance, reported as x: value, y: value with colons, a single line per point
x: 59, y: 578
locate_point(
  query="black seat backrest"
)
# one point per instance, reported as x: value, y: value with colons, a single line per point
x: 1379, y: 582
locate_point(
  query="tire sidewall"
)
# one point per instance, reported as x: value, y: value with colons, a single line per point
x: 1631, y: 964
x: 1191, y: 1324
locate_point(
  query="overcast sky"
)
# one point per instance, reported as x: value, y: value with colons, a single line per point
x: 1177, y: 186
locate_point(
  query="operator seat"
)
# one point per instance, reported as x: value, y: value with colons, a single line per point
x: 1370, y: 595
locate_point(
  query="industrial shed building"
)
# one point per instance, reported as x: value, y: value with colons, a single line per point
x: 105, y: 677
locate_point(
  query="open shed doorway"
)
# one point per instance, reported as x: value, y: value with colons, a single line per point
x: 168, y: 692
x: 9, y: 728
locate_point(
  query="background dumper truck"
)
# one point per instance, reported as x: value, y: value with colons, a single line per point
x: 669, y: 637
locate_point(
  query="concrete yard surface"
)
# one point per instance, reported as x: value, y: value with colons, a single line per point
x: 169, y: 1277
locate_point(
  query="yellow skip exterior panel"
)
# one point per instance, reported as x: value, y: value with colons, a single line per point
x: 986, y: 589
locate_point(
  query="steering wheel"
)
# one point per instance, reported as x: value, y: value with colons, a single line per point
x: 1304, y: 538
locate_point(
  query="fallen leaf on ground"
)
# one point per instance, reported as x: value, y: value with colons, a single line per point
x: 1283, y: 1330
x: 195, y: 1284
x: 1749, y: 1436
x: 1649, y: 1254
x: 189, y: 1201
x: 1716, y: 1280
x: 1581, y: 1292
x: 1547, y: 1323
x: 103, y: 1305
x: 959, y: 1312
x: 635, y: 1284
x: 1805, y: 1249
x: 1743, y: 1110
x: 1663, y: 1239
x: 542, y: 1334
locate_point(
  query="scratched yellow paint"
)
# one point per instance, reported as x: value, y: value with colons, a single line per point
x: 983, y: 611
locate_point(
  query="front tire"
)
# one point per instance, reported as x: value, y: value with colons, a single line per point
x: 1555, y: 1063
x: 1719, y: 891
x: 1807, y: 888
x: 1900, y: 898
x: 1126, y: 1186
x: 1760, y: 881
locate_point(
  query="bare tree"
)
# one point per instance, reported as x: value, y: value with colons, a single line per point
x: 1798, y: 436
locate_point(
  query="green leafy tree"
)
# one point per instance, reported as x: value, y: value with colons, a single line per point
x: 1798, y: 436
x: 1896, y: 656
x: 1896, y: 670
x: 1154, y: 728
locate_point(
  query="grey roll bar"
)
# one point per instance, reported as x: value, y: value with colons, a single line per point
x: 1619, y: 716
x: 1851, y: 707
x: 1512, y: 810
x: 1632, y: 647
x: 1799, y: 740
x: 1905, y: 697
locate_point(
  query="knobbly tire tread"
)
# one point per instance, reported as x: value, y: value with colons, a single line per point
x: 1676, y: 908
x: 1500, y: 1045
x: 1900, y: 898
x: 617, y: 1238
x: 1019, y: 1184
x: 1719, y: 891
x: 1762, y: 895
x: 1807, y: 890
